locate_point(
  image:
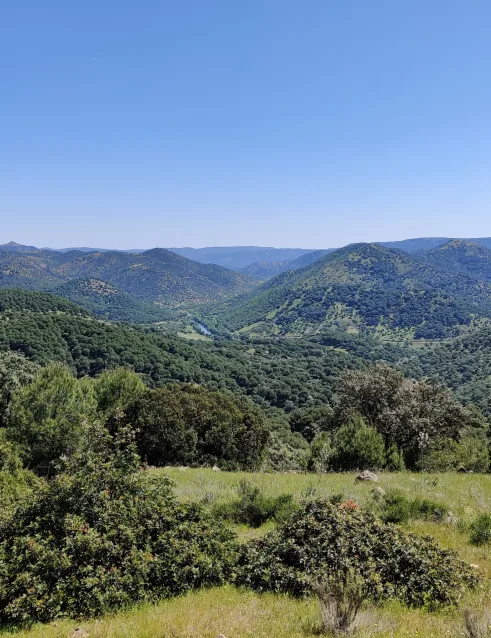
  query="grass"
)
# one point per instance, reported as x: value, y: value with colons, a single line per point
x: 243, y: 614
x: 465, y: 495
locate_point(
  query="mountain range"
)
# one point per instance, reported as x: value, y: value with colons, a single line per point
x: 156, y: 275
x: 259, y: 262
x: 370, y: 287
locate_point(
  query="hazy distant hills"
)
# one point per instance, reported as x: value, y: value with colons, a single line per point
x: 156, y: 275
x: 364, y: 287
x: 237, y: 257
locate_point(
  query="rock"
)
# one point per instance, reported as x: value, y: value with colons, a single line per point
x: 216, y: 468
x: 366, y: 475
x: 80, y: 632
x: 183, y: 468
x: 474, y: 566
x: 378, y: 493
x: 450, y: 519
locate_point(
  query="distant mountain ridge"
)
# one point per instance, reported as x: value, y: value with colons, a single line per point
x: 267, y: 258
x: 157, y: 275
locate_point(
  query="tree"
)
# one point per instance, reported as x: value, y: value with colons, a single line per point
x: 358, y: 446
x: 116, y: 389
x: 188, y: 424
x: 402, y: 409
x: 48, y: 416
x: 311, y: 421
x: 15, y: 372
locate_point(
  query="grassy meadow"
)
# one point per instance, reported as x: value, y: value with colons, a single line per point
x: 243, y: 614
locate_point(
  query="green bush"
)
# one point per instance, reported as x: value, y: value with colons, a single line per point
x: 285, y: 454
x: 322, y: 538
x: 321, y: 453
x: 481, y: 530
x: 254, y: 508
x: 397, y: 508
x: 103, y: 535
x: 116, y: 389
x: 310, y: 422
x: 16, y: 484
x: 394, y: 459
x: 447, y: 455
x: 358, y: 446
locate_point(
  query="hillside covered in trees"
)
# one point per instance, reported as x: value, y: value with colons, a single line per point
x: 365, y: 287
x: 156, y: 275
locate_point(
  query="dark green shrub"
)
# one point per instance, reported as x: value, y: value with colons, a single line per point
x: 481, y: 530
x: 254, y: 508
x: 16, y: 484
x: 322, y: 538
x: 358, y: 447
x: 103, y: 535
x: 394, y: 459
x: 15, y: 372
x: 397, y: 508
x: 447, y: 455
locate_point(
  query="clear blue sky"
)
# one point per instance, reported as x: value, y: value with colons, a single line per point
x: 308, y: 123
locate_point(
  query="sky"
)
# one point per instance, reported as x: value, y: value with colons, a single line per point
x: 301, y: 123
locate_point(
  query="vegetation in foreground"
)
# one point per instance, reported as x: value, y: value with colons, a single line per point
x: 245, y: 614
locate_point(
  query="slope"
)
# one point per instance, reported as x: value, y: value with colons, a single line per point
x: 105, y: 300
x: 461, y: 257
x: 361, y: 287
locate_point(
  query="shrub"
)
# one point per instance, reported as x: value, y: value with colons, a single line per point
x: 254, y: 508
x: 116, y: 389
x: 283, y: 455
x: 341, y: 597
x: 320, y: 453
x: 447, y: 455
x: 310, y: 422
x: 322, y: 538
x: 189, y: 424
x: 394, y: 459
x: 102, y: 535
x: 15, y: 372
x: 481, y: 530
x: 397, y: 508
x: 16, y: 484
x: 358, y: 446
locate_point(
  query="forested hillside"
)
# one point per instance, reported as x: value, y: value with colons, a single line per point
x: 105, y: 300
x: 364, y: 287
x: 460, y: 257
x: 155, y: 275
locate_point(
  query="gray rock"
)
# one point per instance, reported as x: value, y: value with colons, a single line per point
x: 378, y: 493
x: 80, y: 632
x: 216, y: 468
x: 366, y: 475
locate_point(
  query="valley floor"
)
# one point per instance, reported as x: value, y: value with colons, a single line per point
x: 242, y: 614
